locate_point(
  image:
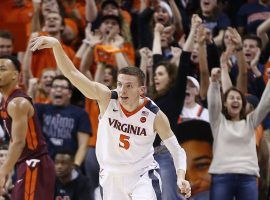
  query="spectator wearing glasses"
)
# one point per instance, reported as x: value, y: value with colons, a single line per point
x: 65, y: 126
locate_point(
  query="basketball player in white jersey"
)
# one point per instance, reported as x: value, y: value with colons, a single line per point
x: 127, y: 128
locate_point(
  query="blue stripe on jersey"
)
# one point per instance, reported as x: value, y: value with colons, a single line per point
x: 114, y: 95
x: 155, y: 183
x: 101, y: 191
x: 152, y: 107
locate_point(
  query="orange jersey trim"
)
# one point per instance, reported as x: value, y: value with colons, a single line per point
x: 31, y: 136
x: 128, y: 114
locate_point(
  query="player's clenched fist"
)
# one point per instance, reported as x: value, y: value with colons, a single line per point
x: 184, y: 187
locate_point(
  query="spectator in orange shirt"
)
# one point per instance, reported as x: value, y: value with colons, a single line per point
x: 43, y: 59
x: 109, y: 7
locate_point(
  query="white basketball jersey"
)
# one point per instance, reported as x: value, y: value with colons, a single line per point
x: 125, y: 140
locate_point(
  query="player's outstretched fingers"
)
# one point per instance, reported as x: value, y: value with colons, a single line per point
x: 35, y: 43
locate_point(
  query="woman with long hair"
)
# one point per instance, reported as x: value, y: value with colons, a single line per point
x: 234, y: 167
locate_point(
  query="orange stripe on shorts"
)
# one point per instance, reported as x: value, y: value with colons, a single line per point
x: 30, y: 183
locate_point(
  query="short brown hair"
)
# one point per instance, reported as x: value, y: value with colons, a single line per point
x: 133, y: 71
x: 6, y: 34
x: 253, y: 37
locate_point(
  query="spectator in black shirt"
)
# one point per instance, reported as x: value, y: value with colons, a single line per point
x: 70, y: 183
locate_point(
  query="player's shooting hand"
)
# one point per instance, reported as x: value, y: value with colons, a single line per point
x: 184, y: 187
x: 42, y: 42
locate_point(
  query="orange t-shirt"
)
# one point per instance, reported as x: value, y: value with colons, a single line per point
x: 91, y: 107
x: 105, y: 53
x: 80, y: 7
x: 265, y: 76
x: 44, y: 58
x: 13, y: 14
x: 16, y: 20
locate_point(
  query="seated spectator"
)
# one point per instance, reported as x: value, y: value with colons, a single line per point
x: 195, y: 136
x: 70, y: 183
x: 65, y: 127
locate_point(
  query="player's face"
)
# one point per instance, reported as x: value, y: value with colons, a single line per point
x: 161, y: 78
x: 63, y: 165
x: 199, y: 157
x: 6, y: 46
x: 60, y: 93
x: 129, y: 90
x: 46, y: 80
x: 8, y: 72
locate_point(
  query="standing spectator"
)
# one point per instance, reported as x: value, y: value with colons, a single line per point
x: 66, y: 127
x: 169, y: 95
x: 109, y: 7
x: 252, y: 51
x: 54, y: 25
x: 214, y: 19
x: 234, y: 141
x: 163, y: 13
x: 70, y: 183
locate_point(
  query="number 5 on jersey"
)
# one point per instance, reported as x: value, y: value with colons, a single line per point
x: 124, y: 143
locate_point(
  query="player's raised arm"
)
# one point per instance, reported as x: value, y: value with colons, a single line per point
x: 90, y: 89
x: 162, y: 127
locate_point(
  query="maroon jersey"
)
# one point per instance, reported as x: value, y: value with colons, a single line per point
x: 35, y: 145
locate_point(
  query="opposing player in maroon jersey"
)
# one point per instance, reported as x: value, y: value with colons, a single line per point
x: 27, y: 148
